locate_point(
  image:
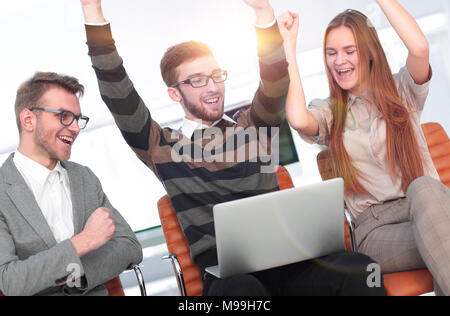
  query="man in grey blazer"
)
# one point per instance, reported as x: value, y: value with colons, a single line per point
x: 59, y: 234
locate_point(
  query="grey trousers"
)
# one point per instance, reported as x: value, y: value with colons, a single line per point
x: 410, y: 233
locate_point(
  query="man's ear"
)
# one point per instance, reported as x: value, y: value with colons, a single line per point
x: 174, y: 94
x: 27, y: 120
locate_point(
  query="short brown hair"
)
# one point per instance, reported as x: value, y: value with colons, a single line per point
x: 178, y: 54
x: 31, y: 91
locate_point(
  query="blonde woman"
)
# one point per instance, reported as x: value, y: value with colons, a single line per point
x: 371, y: 123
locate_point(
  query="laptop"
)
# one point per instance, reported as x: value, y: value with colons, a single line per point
x: 279, y: 228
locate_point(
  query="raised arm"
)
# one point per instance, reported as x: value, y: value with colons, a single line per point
x: 263, y: 11
x: 297, y: 115
x: 92, y: 10
x: 268, y: 103
x: 413, y: 38
x: 117, y: 90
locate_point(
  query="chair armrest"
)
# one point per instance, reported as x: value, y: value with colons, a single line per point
x: 351, y: 228
x: 178, y: 273
x: 140, y: 278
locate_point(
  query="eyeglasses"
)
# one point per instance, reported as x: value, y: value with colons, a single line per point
x: 201, y: 81
x: 66, y: 117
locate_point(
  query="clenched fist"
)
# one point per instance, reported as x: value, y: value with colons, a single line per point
x: 98, y: 230
x: 288, y: 25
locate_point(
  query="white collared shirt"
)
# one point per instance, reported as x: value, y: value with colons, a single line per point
x: 189, y: 127
x: 51, y: 190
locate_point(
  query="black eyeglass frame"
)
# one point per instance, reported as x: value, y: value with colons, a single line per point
x: 61, y: 114
x: 189, y: 81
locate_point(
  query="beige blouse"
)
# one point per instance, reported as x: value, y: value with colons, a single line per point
x: 365, y: 141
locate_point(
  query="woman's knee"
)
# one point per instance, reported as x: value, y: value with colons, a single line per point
x: 424, y: 192
x: 422, y: 185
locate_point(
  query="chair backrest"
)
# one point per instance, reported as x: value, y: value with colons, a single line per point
x: 439, y: 147
x: 323, y: 159
x: 284, y: 178
x: 323, y: 162
x: 177, y: 243
x: 115, y: 287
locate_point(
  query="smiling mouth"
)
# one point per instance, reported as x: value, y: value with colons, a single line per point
x: 212, y: 100
x: 66, y: 139
x: 345, y: 72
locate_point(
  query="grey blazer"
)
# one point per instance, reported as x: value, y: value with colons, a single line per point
x: 32, y: 263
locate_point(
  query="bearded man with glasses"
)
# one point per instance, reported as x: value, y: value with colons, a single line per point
x: 195, y: 81
x: 59, y: 234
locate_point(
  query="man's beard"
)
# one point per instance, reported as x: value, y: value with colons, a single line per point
x: 41, y: 140
x: 199, y: 112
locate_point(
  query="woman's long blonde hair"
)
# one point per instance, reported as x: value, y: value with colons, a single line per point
x: 403, y: 153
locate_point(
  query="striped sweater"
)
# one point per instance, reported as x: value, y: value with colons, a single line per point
x: 196, y: 183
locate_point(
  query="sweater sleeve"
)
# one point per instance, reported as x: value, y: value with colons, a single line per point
x: 131, y: 115
x: 269, y: 100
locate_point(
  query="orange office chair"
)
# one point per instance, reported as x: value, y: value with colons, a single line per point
x: 439, y: 147
x: 187, y: 273
x: 325, y: 169
x: 115, y: 288
x: 417, y: 282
